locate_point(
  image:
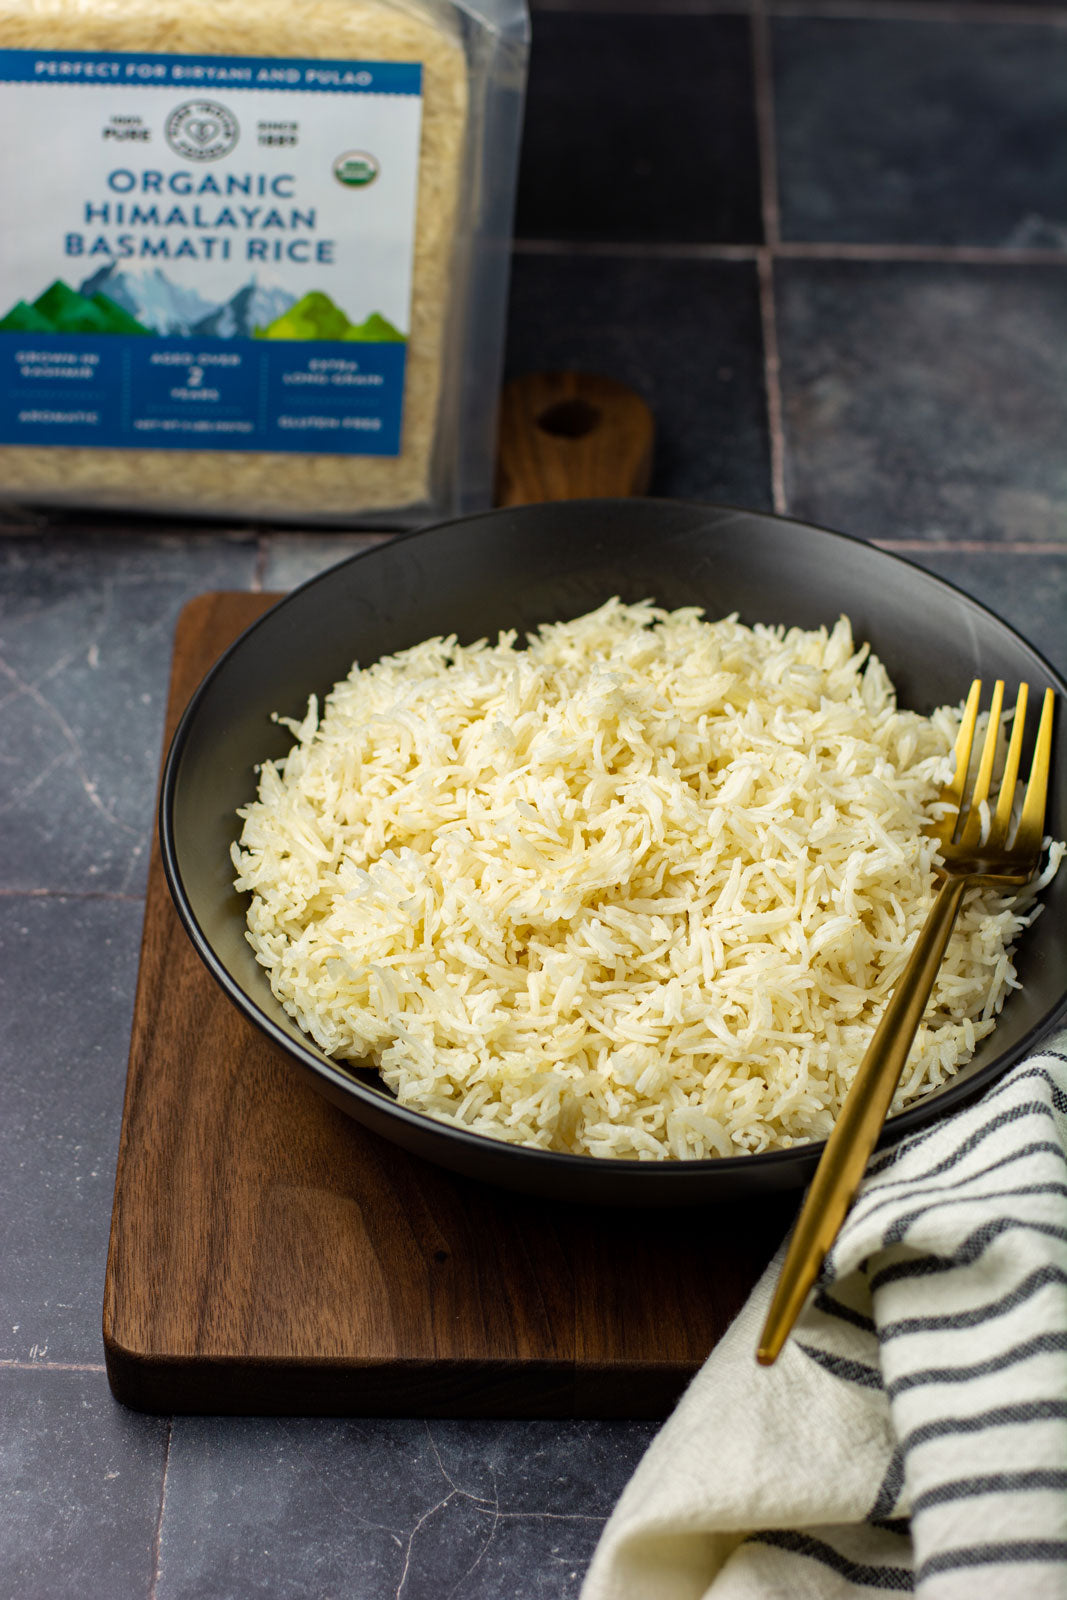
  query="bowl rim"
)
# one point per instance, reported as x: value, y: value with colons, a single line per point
x: 947, y: 1098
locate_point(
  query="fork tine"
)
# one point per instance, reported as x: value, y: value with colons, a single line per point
x: 972, y: 830
x: 998, y: 833
x: 952, y: 793
x: 1032, y: 821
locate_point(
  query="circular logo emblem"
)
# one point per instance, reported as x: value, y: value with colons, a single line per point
x: 355, y: 169
x: 201, y: 130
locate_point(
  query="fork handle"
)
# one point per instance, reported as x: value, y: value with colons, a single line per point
x: 855, y: 1133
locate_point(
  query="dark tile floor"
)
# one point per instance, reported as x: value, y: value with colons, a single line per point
x: 685, y: 334
x: 882, y: 359
x: 641, y: 128
x: 921, y: 132
x: 827, y: 243
x: 86, y: 626
x: 66, y: 999
x: 80, y: 1485
x: 451, y: 1508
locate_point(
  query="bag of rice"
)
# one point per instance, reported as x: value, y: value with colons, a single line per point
x: 260, y: 257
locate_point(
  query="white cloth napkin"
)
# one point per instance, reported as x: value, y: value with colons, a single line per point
x: 912, y: 1436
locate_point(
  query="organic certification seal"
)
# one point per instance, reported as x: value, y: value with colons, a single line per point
x: 201, y: 130
x: 355, y: 169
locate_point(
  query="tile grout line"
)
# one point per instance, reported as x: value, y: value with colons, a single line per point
x: 71, y: 894
x: 634, y: 247
x: 13, y: 1364
x: 668, y: 8
x: 157, y: 1537
x: 796, y: 249
x: 974, y: 547
x: 988, y: 11
x: 763, y: 95
x: 959, y: 254
x: 772, y: 368
x: 921, y: 11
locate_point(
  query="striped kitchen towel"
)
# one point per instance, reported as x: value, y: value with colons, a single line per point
x: 912, y: 1436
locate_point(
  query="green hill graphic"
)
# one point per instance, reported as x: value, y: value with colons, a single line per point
x: 316, y: 317
x: 61, y: 309
x: 117, y: 317
x: 24, y: 319
x: 376, y: 329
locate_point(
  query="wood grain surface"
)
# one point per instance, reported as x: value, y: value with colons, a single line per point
x: 268, y: 1255
x: 571, y: 436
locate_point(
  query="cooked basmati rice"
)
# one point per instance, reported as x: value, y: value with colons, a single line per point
x: 640, y: 889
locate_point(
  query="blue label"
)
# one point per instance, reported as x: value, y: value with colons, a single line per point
x: 133, y: 70
x: 130, y: 392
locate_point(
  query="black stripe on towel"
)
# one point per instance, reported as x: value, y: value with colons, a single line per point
x: 985, y: 1555
x: 802, y: 1544
x: 841, y: 1367
x: 991, y: 1483
x: 903, y: 1190
x: 1038, y: 1345
x: 1000, y: 1416
x: 1035, y: 1070
x: 834, y: 1308
x: 1038, y: 1280
x: 876, y: 1200
x: 897, y: 1229
x: 971, y: 1250
x: 1000, y: 1119
x: 1003, y: 1119
x: 888, y: 1158
x: 890, y: 1489
x: 1006, y: 1085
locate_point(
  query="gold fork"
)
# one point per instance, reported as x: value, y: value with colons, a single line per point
x: 966, y: 858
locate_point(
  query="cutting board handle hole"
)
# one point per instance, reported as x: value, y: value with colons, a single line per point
x: 569, y: 419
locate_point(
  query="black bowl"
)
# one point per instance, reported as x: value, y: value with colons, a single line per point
x: 515, y: 569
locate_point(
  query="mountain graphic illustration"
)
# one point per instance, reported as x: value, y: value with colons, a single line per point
x: 115, y: 301
x: 61, y: 309
x: 180, y: 312
x: 149, y: 296
x: 316, y: 317
x: 255, y: 305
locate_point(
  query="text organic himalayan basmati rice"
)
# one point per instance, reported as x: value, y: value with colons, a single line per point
x: 640, y: 889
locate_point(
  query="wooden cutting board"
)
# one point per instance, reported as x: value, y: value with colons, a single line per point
x: 268, y: 1255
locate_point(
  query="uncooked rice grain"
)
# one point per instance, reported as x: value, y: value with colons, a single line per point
x: 255, y: 483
